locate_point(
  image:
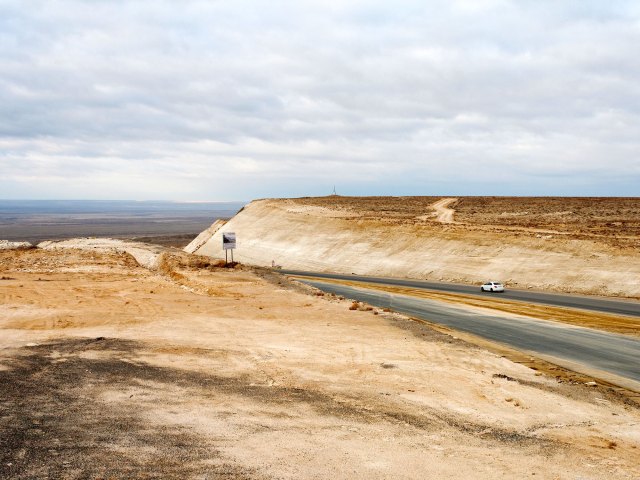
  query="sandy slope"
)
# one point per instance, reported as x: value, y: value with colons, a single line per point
x: 204, y: 236
x: 111, y: 370
x: 394, y: 241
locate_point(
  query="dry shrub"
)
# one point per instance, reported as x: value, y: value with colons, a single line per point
x: 354, y: 306
x: 167, y: 265
x: 169, y: 262
x: 198, y: 262
x: 201, y: 262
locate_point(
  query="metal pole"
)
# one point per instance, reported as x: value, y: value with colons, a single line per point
x: 226, y: 257
x: 232, y: 255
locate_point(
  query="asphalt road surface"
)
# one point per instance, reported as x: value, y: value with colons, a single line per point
x: 619, y: 307
x: 566, y: 345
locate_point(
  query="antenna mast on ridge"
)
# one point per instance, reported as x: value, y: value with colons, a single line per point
x: 334, y: 190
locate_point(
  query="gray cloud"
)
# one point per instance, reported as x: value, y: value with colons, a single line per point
x: 228, y: 100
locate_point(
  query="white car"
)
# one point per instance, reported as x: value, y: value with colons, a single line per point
x: 492, y: 287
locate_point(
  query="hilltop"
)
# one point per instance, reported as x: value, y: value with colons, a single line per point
x: 577, y: 245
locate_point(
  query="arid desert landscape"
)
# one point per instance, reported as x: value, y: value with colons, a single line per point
x: 122, y: 359
x: 310, y: 240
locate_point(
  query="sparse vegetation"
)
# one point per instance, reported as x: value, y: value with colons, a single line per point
x: 613, y: 220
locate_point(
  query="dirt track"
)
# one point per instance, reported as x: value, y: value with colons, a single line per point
x: 444, y: 214
x: 108, y: 369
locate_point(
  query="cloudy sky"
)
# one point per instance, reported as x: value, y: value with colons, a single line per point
x: 234, y: 100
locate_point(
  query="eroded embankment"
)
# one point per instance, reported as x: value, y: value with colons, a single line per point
x: 300, y: 236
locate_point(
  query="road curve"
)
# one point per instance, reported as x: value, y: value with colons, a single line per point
x: 618, y: 307
x: 610, y: 356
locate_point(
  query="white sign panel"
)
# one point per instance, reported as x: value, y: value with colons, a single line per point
x: 228, y: 241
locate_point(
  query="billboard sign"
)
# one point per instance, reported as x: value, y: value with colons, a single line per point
x: 228, y: 241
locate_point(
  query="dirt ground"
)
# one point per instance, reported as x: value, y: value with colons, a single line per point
x: 190, y: 370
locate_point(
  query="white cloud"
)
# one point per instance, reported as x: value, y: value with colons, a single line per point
x: 232, y: 100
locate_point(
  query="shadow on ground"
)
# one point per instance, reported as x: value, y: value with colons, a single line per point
x: 53, y: 423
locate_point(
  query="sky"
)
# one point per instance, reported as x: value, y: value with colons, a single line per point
x: 235, y: 100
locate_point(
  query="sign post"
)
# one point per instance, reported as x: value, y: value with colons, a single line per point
x: 228, y: 243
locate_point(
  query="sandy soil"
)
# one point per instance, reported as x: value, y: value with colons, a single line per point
x: 590, y: 246
x: 187, y: 370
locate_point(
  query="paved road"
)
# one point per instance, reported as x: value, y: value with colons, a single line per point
x: 567, y: 345
x: 619, y: 307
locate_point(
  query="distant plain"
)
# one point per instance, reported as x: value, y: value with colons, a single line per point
x: 167, y: 223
